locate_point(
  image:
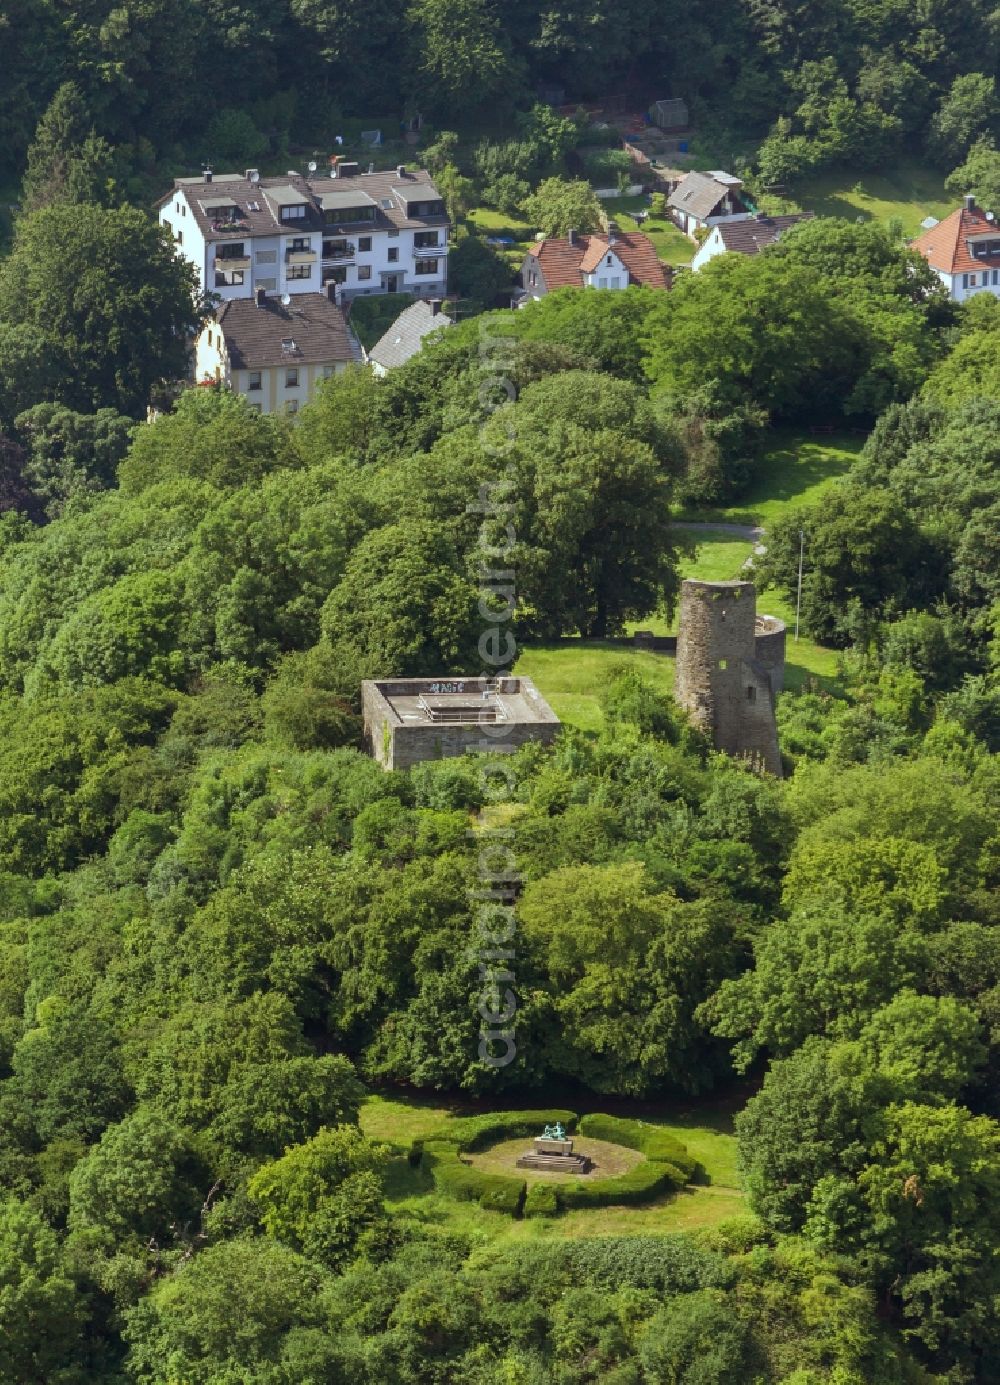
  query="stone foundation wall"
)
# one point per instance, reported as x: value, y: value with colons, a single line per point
x: 726, y: 689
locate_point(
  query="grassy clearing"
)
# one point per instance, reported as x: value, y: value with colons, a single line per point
x: 907, y: 194
x: 572, y: 676
x: 404, y: 1119
x: 608, y: 1160
x: 671, y: 244
x: 797, y: 469
x: 500, y: 226
x: 705, y: 1128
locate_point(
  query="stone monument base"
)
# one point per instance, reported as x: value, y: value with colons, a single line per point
x: 554, y: 1156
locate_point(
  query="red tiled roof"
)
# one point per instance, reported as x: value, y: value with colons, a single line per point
x: 563, y: 264
x: 944, y: 245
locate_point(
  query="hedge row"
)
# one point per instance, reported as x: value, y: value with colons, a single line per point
x: 477, y: 1132
x: 462, y: 1181
x: 659, y: 1146
x: 641, y: 1184
x: 667, y: 1163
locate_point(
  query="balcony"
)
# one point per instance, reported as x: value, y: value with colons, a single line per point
x: 226, y: 263
x: 337, y: 252
x: 300, y: 257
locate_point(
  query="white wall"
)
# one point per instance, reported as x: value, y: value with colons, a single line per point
x: 189, y: 241
x: 177, y: 215
x: 961, y: 289
x: 607, y: 275
x: 713, y: 245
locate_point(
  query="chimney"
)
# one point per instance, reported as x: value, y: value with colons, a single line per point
x: 401, y: 170
x: 571, y: 236
x: 970, y: 202
x: 435, y: 304
x: 331, y: 290
x: 206, y: 173
x: 261, y: 295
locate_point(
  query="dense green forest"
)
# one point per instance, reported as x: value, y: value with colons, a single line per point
x: 227, y: 937
x: 222, y: 922
x: 843, y: 81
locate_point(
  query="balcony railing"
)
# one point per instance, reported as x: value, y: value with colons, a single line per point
x: 341, y: 252
x: 230, y: 262
x: 300, y: 257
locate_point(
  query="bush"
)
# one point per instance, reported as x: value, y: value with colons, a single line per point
x: 659, y: 1146
x: 476, y: 1132
x: 541, y: 1201
x: 641, y: 1184
x: 466, y: 1184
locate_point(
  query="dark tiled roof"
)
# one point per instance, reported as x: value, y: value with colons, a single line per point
x: 564, y: 264
x: 255, y: 334
x: 405, y: 337
x: 699, y: 194
x: 256, y: 203
x: 749, y: 237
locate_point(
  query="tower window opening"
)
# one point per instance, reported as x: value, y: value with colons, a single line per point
x: 751, y: 694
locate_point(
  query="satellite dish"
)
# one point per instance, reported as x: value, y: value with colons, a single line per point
x: 312, y: 165
x: 286, y: 298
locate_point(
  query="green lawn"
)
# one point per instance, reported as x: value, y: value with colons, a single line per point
x: 907, y: 194
x: 671, y: 243
x: 572, y: 676
x: 499, y: 225
x: 796, y: 469
x: 705, y: 1128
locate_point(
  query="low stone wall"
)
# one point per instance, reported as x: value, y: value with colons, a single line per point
x: 770, y: 649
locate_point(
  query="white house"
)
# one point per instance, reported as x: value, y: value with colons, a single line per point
x: 702, y: 200
x: 613, y: 260
x: 964, y: 251
x: 369, y: 233
x: 275, y: 353
x: 745, y: 237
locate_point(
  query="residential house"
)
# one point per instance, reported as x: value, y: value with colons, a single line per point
x: 406, y: 335
x: 964, y: 251
x: 611, y: 260
x: 702, y: 200
x: 275, y: 353
x: 747, y: 237
x: 364, y: 233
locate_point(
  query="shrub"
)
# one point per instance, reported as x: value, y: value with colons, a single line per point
x: 659, y: 1146
x: 541, y: 1201
x: 641, y: 1184
x: 466, y: 1184
x: 476, y: 1132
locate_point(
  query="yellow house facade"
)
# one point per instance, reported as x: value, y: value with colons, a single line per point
x: 275, y: 353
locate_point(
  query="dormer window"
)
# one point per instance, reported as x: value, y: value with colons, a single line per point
x: 296, y: 212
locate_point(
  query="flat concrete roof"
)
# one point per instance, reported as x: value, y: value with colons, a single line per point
x: 464, y: 701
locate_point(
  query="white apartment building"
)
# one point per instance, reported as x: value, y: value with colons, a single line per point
x: 362, y: 232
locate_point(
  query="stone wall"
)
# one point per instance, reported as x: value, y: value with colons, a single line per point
x: 770, y: 649
x: 396, y: 743
x: 411, y: 745
x: 726, y: 689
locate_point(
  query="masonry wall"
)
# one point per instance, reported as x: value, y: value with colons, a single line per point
x: 396, y: 744
x: 413, y: 744
x: 726, y: 690
x: 770, y: 649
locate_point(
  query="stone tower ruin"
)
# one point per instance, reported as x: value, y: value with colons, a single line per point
x: 730, y: 668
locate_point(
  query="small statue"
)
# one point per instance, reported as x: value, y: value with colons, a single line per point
x: 554, y: 1132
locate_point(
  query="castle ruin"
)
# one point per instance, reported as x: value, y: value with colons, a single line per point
x: 730, y: 668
